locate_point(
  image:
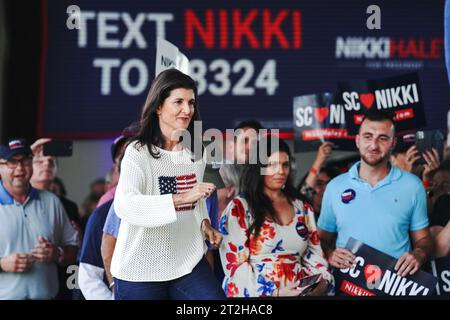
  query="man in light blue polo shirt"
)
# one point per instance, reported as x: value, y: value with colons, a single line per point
x: 376, y: 203
x: 35, y: 232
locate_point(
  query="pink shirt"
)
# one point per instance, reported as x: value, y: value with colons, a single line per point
x: 107, y: 196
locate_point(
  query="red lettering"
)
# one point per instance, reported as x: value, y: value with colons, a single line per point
x: 410, y: 49
x: 436, y: 48
x: 404, y: 114
x: 206, y: 33
x: 354, y: 290
x: 273, y: 29
x: 421, y: 52
x: 394, y: 47
x: 235, y: 27
x: 325, y: 133
x: 242, y: 28
x: 416, y: 49
x: 223, y: 21
x: 297, y: 29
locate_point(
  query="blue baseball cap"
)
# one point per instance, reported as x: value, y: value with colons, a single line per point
x: 14, y: 146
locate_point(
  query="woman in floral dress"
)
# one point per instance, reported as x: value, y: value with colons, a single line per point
x: 270, y: 239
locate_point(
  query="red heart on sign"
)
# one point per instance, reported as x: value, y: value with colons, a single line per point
x: 372, y: 273
x: 367, y: 99
x: 321, y: 113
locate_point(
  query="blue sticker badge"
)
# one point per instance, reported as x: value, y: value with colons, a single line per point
x: 348, y: 195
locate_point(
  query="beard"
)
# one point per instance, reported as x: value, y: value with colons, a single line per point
x: 373, y: 162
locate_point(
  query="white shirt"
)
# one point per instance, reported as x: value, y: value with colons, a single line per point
x: 156, y: 241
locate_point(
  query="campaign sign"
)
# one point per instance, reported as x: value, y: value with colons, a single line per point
x: 249, y: 58
x: 400, y: 95
x: 440, y: 267
x: 168, y: 56
x: 373, y: 275
x: 319, y: 118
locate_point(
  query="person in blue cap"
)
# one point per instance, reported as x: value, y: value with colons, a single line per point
x: 36, y: 234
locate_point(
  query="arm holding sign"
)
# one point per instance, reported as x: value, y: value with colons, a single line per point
x: 323, y: 154
x: 431, y: 164
x: 410, y: 262
x: 442, y: 242
x: 341, y: 258
x: 337, y: 257
x: 38, y: 146
x: 412, y: 155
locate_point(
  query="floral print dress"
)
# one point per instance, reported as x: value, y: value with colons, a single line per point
x: 276, y: 259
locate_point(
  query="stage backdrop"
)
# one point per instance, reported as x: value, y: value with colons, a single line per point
x: 250, y: 58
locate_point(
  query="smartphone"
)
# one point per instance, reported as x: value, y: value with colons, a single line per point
x: 212, y: 175
x: 428, y: 139
x: 310, y: 283
x: 58, y: 148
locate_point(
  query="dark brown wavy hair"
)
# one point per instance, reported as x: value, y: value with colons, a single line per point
x: 148, y: 131
x: 252, y: 187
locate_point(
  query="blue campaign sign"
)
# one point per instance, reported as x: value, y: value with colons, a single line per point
x: 249, y: 58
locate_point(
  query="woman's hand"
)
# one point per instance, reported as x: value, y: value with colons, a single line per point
x: 412, y: 155
x: 319, y: 290
x: 292, y: 290
x: 432, y: 164
x: 212, y: 235
x: 200, y: 190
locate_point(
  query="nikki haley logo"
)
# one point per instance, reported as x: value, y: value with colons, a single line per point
x: 385, y: 281
x: 373, y: 274
x: 348, y: 195
x: 178, y: 184
x: 388, y: 48
x: 399, y: 94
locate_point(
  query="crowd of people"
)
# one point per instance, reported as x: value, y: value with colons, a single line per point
x: 170, y: 226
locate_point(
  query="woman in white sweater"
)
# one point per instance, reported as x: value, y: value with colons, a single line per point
x: 160, y: 198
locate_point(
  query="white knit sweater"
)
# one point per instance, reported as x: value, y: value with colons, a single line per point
x: 156, y: 241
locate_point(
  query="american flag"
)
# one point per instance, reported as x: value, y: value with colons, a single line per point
x: 178, y: 184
